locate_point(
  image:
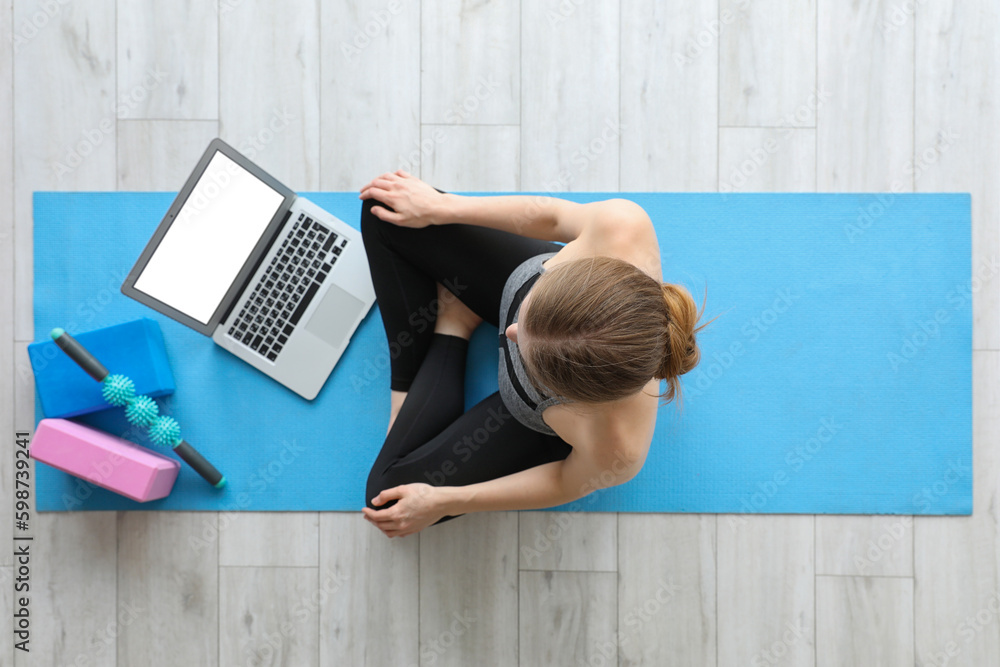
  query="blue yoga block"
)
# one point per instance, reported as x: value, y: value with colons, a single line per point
x: 134, y: 349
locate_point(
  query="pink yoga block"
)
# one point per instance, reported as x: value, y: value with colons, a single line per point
x: 103, y: 459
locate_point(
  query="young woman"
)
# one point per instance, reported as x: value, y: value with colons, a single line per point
x: 586, y: 332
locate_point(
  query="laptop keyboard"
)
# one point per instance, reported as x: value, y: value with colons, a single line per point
x: 304, y: 260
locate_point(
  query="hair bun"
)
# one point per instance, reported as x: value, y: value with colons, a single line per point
x: 680, y: 350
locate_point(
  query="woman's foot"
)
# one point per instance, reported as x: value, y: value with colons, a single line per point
x: 454, y: 318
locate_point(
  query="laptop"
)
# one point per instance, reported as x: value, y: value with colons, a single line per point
x: 270, y: 276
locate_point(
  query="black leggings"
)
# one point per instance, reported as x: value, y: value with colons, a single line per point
x: 434, y: 440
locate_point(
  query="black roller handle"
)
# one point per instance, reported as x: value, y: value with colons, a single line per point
x: 79, y: 354
x: 200, y: 464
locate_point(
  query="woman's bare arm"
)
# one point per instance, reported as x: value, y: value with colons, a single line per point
x: 546, y: 485
x: 417, y: 204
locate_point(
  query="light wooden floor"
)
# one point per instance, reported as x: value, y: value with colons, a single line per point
x: 731, y: 95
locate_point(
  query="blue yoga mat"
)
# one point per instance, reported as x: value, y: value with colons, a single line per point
x: 836, y: 379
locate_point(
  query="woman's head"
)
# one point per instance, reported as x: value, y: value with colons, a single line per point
x: 598, y: 329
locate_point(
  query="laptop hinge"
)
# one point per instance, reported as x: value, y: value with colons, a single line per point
x: 260, y: 259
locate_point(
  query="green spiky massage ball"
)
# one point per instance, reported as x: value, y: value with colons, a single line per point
x: 165, y: 431
x: 118, y: 390
x: 142, y: 411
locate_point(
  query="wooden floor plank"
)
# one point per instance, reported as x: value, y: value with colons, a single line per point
x: 287, y: 539
x: 470, y: 56
x: 756, y: 159
x: 75, y: 615
x: 864, y: 621
x: 268, y: 616
x: 956, y: 585
x: 273, y: 116
x: 159, y: 155
x: 766, y: 604
x: 570, y: 121
x: 864, y: 147
x: 475, y: 157
x: 865, y: 545
x: 767, y: 63
x: 64, y: 139
x: 569, y: 541
x: 7, y: 608
x: 957, y: 136
x: 370, y: 90
x: 669, y: 96
x: 64, y: 119
x: 666, y: 589
x: 468, y: 577
x: 168, y: 567
x: 865, y: 128
x: 368, y: 585
x: 565, y: 618
x: 168, y: 60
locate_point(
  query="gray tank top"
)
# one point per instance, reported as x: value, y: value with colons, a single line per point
x: 516, y: 390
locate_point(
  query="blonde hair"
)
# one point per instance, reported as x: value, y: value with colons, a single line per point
x: 599, y: 329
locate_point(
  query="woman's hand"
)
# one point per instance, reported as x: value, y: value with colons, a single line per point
x: 413, y: 201
x: 417, y: 506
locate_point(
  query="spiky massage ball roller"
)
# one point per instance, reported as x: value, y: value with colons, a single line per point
x: 142, y: 411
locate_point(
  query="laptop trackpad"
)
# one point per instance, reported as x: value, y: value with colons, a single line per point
x: 334, y: 318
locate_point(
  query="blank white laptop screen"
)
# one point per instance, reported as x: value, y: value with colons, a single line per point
x: 209, y: 241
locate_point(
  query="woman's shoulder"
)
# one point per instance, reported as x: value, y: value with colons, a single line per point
x: 626, y: 425
x: 616, y: 228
